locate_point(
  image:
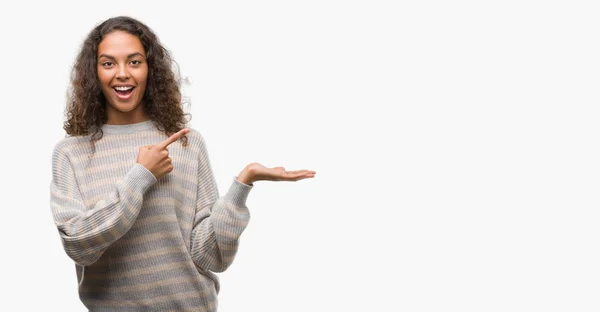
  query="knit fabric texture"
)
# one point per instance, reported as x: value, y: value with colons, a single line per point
x: 138, y: 243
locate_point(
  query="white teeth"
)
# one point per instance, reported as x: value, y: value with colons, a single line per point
x: 123, y: 88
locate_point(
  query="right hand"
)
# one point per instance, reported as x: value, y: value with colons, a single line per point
x: 156, y: 157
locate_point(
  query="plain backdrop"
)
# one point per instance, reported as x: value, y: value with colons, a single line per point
x: 455, y: 145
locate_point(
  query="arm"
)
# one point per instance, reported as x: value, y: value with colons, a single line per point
x: 87, y: 233
x: 218, y: 222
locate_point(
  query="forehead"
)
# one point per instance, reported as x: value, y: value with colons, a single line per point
x: 120, y: 44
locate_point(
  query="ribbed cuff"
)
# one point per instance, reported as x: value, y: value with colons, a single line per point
x: 139, y: 178
x: 238, y: 193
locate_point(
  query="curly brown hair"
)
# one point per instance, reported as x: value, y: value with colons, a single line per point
x: 162, y: 100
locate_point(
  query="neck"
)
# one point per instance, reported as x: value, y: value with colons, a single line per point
x: 116, y: 117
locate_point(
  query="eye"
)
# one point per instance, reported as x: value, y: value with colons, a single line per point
x: 107, y: 63
x: 136, y: 62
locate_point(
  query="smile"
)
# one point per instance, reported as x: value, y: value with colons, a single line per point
x: 124, y: 92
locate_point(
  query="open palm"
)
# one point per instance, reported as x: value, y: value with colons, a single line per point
x: 260, y: 172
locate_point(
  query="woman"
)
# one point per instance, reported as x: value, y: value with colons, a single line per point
x: 133, y: 194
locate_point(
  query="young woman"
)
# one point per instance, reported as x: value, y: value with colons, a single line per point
x: 133, y: 194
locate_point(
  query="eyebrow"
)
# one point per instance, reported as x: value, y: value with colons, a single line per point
x: 128, y: 56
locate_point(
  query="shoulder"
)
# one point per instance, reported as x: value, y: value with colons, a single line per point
x: 194, y: 134
x: 195, y: 138
x: 69, y: 144
x: 197, y: 142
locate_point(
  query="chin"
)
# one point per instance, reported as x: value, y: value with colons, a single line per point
x: 124, y: 108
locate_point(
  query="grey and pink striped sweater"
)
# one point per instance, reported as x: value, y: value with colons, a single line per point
x: 138, y: 243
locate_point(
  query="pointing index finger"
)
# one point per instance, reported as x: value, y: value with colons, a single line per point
x: 171, y: 139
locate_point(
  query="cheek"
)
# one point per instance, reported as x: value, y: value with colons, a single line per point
x: 142, y: 79
x: 104, y: 78
x: 143, y: 76
x: 143, y: 73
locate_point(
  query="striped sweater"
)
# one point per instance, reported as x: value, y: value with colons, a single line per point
x: 138, y: 243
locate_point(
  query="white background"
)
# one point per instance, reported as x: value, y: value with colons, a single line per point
x: 455, y: 145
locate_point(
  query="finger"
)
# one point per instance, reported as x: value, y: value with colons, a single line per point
x: 166, y: 161
x: 172, y: 138
x: 298, y: 178
x: 301, y: 172
x: 147, y: 146
x: 293, y: 176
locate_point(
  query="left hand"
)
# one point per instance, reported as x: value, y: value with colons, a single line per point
x: 257, y: 172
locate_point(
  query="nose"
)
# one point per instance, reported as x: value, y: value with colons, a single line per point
x: 123, y: 73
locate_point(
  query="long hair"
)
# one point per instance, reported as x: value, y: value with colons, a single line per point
x: 162, y: 100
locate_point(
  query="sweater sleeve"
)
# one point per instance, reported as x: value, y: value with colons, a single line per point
x: 219, y: 221
x: 86, y: 232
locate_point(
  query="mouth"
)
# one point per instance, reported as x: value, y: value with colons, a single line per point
x: 123, y: 92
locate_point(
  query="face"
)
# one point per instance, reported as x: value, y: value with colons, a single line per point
x: 122, y: 72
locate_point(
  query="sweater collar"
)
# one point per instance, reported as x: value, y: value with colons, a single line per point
x: 129, y: 128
